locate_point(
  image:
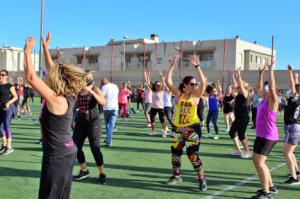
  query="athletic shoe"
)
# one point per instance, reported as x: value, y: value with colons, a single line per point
x: 3, y: 148
x: 202, y: 185
x: 174, y: 180
x: 208, y: 135
x: 108, y: 145
x: 148, y: 125
x: 102, y: 178
x: 227, y: 129
x: 125, y: 119
x: 82, y: 175
x: 137, y: 111
x: 115, y: 130
x: 216, y: 137
x: 263, y: 195
x: 297, y: 173
x: 7, y: 151
x: 152, y: 133
x: 292, y: 181
x: 238, y: 153
x: 164, y: 133
x: 246, y: 155
x: 271, y: 189
x: 167, y: 129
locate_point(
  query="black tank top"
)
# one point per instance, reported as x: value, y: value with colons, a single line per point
x: 292, y: 111
x: 241, y: 107
x: 88, y: 107
x: 201, y: 104
x: 4, y: 94
x: 56, y: 129
x: 227, y: 99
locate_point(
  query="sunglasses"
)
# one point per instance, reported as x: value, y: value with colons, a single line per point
x: 2, y: 75
x: 193, y: 84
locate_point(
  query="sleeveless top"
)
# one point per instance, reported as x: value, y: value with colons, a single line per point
x: 213, y: 104
x: 88, y: 107
x: 5, y: 95
x: 167, y: 99
x: 226, y: 101
x: 292, y: 111
x: 241, y: 107
x: 186, y: 112
x: 56, y: 129
x: 266, y: 122
x: 157, y: 100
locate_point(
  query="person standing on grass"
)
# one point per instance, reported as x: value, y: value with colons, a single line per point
x: 238, y: 128
x: 168, y: 106
x: 88, y: 124
x: 187, y: 129
x: 157, y: 106
x: 110, y: 109
x: 292, y: 129
x: 266, y: 131
x: 148, y: 98
x: 256, y: 99
x: 213, y: 108
x: 26, y: 98
x: 20, y: 89
x: 140, y: 97
x: 8, y: 96
x: 123, y: 100
x: 62, y: 83
x: 228, y: 102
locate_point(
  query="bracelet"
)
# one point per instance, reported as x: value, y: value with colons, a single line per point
x: 196, y: 66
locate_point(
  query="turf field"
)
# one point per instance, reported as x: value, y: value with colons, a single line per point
x: 138, y: 165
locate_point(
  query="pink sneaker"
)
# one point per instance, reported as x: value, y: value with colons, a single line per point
x: 236, y: 153
x: 148, y: 125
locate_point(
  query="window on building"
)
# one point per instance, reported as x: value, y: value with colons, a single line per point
x: 92, y: 59
x: 240, y: 59
x: 251, y: 58
x: 159, y: 60
x: 258, y: 60
x: 263, y: 61
x: 79, y: 59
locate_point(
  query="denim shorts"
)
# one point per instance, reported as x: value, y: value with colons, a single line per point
x: 292, y: 134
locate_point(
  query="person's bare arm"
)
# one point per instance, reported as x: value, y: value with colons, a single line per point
x: 273, y: 99
x: 196, y: 63
x: 163, y: 83
x: 260, y: 82
x: 291, y: 79
x: 241, y: 83
x: 169, y: 80
x: 48, y: 59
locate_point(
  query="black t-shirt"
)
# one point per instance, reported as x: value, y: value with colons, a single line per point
x: 292, y: 111
x: 56, y: 129
x: 26, y: 92
x: 88, y: 107
x: 241, y: 107
x: 5, y: 94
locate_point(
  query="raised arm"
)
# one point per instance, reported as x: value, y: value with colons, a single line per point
x: 241, y: 83
x: 273, y: 99
x: 291, y: 79
x: 97, y: 94
x: 163, y: 82
x: 196, y: 63
x: 260, y: 82
x: 296, y: 78
x: 147, y: 79
x: 234, y: 83
x: 48, y: 59
x: 169, y: 80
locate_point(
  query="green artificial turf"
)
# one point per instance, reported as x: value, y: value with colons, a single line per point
x: 138, y: 165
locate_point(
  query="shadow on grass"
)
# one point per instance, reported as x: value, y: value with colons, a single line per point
x: 6, y: 171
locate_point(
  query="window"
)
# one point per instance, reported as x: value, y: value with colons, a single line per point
x: 240, y: 59
x: 92, y: 59
x: 263, y: 61
x: 79, y: 59
x: 159, y: 60
x: 258, y: 60
x: 251, y: 58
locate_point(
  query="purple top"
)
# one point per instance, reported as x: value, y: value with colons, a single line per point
x: 266, y: 122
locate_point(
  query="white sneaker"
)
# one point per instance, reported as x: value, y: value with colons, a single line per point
x: 152, y: 133
x: 236, y: 153
x: 164, y: 133
x: 115, y: 130
x: 246, y: 155
x: 167, y: 129
x: 216, y: 137
x: 227, y: 129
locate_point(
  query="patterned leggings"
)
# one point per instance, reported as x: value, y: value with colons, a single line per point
x: 188, y: 137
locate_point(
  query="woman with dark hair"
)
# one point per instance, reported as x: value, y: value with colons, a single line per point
x: 140, y: 97
x: 8, y: 96
x: 62, y: 83
x: 148, y: 97
x: 187, y: 129
x: 228, y: 101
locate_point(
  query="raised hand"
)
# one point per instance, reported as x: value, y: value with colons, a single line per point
x: 160, y: 73
x: 261, y: 70
x: 46, y: 43
x: 195, y: 60
x: 290, y: 67
x: 30, y: 41
x: 174, y: 60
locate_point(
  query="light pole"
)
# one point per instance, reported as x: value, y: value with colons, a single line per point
x: 84, y: 57
x: 41, y: 34
x: 124, y: 58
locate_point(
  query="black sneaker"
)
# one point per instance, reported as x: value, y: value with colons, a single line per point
x: 263, y: 195
x: 292, y: 181
x: 7, y: 151
x: 174, y: 180
x: 102, y: 178
x: 297, y: 173
x: 202, y: 185
x: 3, y: 148
x: 271, y: 189
x: 82, y: 175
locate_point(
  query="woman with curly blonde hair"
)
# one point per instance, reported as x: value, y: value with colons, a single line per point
x: 63, y: 82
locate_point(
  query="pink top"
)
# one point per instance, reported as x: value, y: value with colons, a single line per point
x: 148, y: 98
x: 266, y: 122
x: 157, y: 100
x: 123, y: 96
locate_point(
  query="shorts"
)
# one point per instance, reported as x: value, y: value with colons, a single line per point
x: 227, y: 109
x: 292, y: 134
x: 238, y: 128
x: 160, y: 112
x: 263, y: 146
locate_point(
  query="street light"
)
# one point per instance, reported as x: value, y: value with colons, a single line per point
x: 124, y: 58
x: 84, y: 51
x: 41, y: 34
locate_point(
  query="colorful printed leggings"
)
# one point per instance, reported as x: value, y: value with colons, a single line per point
x: 188, y: 137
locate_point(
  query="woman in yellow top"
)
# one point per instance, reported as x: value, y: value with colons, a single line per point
x: 187, y: 129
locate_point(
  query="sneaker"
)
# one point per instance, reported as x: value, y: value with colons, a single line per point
x: 202, y: 185
x: 246, y: 155
x: 3, y: 148
x: 271, y: 189
x: 227, y: 129
x: 238, y: 153
x: 167, y: 129
x: 137, y: 111
x: 148, y: 125
x: 82, y: 175
x: 152, y: 133
x: 216, y: 137
x: 102, y: 178
x: 174, y: 180
x: 292, y: 181
x: 297, y: 173
x: 108, y: 144
x: 164, y: 133
x: 115, y: 130
x: 7, y: 151
x: 263, y: 195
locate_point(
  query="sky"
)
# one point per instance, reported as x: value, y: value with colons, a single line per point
x: 94, y: 22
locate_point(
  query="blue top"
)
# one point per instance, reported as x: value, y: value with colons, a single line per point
x: 213, y: 104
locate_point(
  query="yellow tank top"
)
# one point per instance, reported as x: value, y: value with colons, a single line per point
x: 186, y: 112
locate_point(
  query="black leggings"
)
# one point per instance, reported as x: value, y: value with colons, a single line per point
x: 92, y: 130
x: 169, y: 115
x: 139, y: 100
x: 160, y: 112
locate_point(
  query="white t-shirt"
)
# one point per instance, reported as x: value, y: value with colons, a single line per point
x: 111, y: 93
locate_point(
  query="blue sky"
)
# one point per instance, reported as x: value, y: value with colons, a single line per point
x: 95, y: 22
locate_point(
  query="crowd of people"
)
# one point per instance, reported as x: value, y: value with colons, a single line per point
x: 73, y: 105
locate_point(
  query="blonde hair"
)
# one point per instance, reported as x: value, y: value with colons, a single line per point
x: 65, y: 79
